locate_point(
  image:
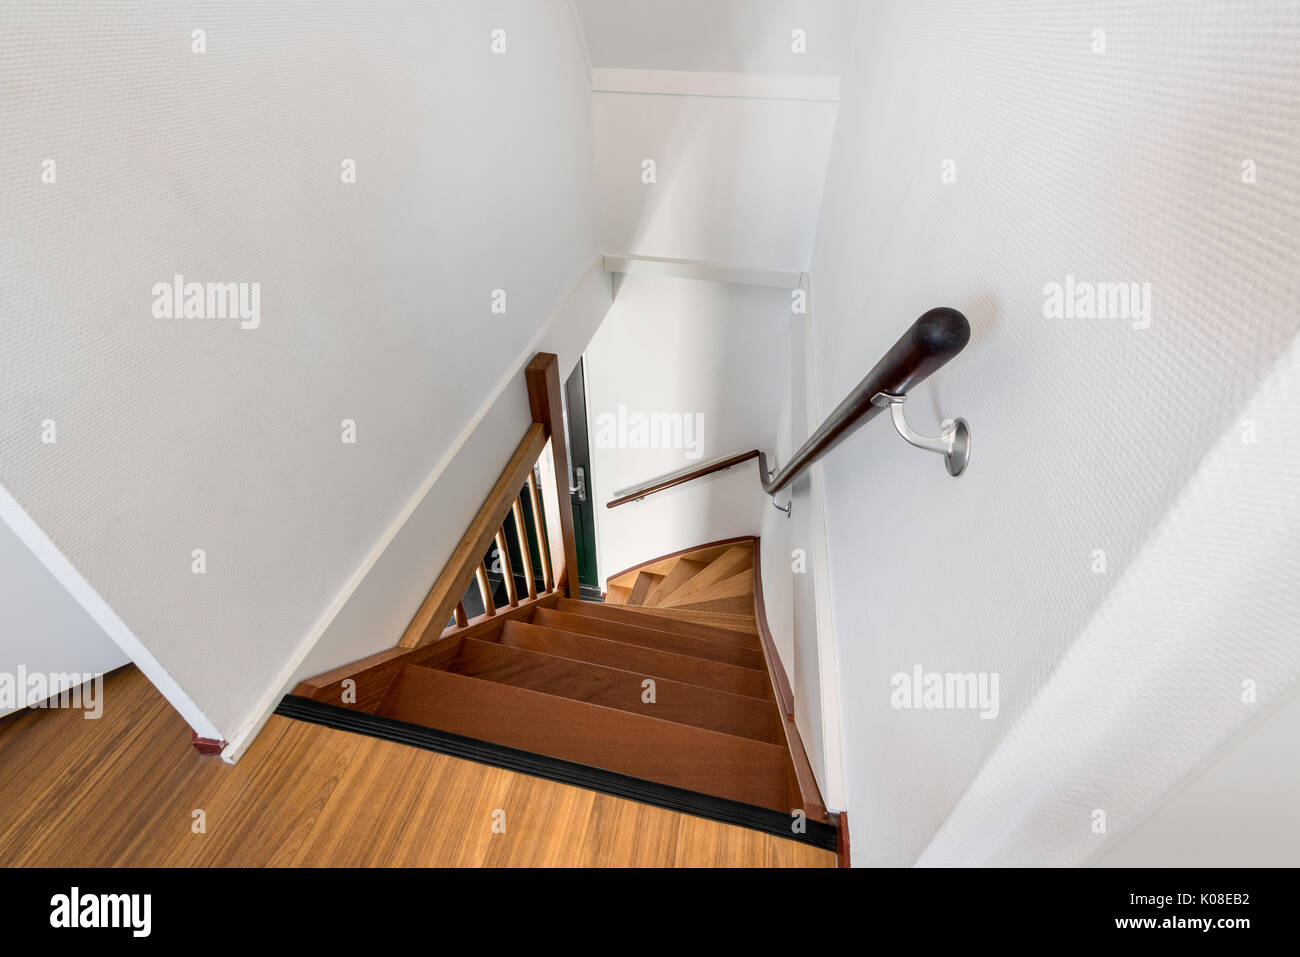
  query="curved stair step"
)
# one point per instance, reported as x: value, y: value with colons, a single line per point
x: 616, y: 688
x: 744, y: 624
x: 650, y: 662
x: 667, y: 620
x: 649, y: 637
x: 680, y: 755
x: 683, y: 571
x: 737, y: 560
x: 739, y: 585
x: 645, y: 583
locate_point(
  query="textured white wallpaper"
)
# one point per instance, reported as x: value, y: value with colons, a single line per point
x: 983, y: 152
x: 473, y: 173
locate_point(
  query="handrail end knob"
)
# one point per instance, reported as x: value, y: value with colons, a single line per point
x: 941, y: 330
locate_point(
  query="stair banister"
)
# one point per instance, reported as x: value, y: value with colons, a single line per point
x: 542, y: 449
x: 931, y: 341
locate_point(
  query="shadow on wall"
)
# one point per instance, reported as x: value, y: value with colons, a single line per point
x: 983, y: 313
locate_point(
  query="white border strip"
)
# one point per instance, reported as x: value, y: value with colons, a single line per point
x: 757, y: 86
x: 828, y: 668
x: 694, y: 269
x: 49, y: 555
x: 582, y: 37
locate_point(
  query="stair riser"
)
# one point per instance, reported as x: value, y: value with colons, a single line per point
x: 661, y: 619
x: 614, y: 688
x: 654, y: 664
x: 722, y: 765
x: 660, y: 640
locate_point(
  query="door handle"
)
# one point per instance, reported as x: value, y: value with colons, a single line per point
x: 581, y: 488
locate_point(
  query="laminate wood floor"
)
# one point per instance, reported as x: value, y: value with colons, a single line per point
x: 123, y: 791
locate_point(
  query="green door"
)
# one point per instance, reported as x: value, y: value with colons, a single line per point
x: 584, y: 511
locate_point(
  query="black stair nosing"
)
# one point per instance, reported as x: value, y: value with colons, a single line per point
x: 724, y: 810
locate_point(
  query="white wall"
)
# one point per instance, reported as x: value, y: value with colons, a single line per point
x: 776, y: 537
x: 738, y: 180
x: 42, y: 628
x: 718, y: 36
x: 385, y: 600
x: 804, y: 628
x: 697, y: 348
x: 1117, y: 166
x: 474, y: 173
x: 1239, y: 812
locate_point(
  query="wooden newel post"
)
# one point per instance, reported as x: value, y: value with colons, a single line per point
x: 545, y: 400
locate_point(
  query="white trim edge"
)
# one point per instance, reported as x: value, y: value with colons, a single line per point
x: 582, y: 38
x: 695, y: 269
x: 244, y: 735
x: 759, y: 86
x: 828, y: 669
x: 66, y: 574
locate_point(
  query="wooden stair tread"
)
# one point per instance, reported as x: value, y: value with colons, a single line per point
x: 650, y: 662
x: 739, y: 585
x: 740, y: 624
x: 664, y: 566
x: 734, y: 561
x: 617, y: 688
x: 616, y: 594
x: 650, y: 617
x: 647, y: 636
x: 733, y: 605
x: 645, y: 583
x: 682, y: 572
x: 653, y: 749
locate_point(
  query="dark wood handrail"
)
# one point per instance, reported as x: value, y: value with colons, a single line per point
x: 686, y: 475
x: 930, y: 342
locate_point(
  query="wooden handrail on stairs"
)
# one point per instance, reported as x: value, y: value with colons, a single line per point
x: 929, y: 343
x: 555, y: 538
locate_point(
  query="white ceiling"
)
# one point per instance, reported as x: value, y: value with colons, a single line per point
x: 718, y: 36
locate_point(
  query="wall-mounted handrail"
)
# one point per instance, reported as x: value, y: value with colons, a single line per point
x: 681, y: 477
x: 930, y: 342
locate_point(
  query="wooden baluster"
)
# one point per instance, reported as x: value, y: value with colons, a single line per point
x: 542, y: 545
x: 485, y: 590
x: 525, y: 552
x: 507, y: 572
x: 461, y: 618
x: 546, y: 401
x: 436, y: 610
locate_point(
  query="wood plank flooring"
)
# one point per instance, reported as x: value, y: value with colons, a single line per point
x: 122, y: 791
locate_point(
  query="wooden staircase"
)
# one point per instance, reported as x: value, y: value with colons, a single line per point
x: 662, y: 692
x: 711, y: 586
x: 639, y: 692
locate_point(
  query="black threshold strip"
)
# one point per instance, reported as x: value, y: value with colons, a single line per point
x: 817, y: 833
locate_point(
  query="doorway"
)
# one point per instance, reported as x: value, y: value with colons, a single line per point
x: 584, y: 510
